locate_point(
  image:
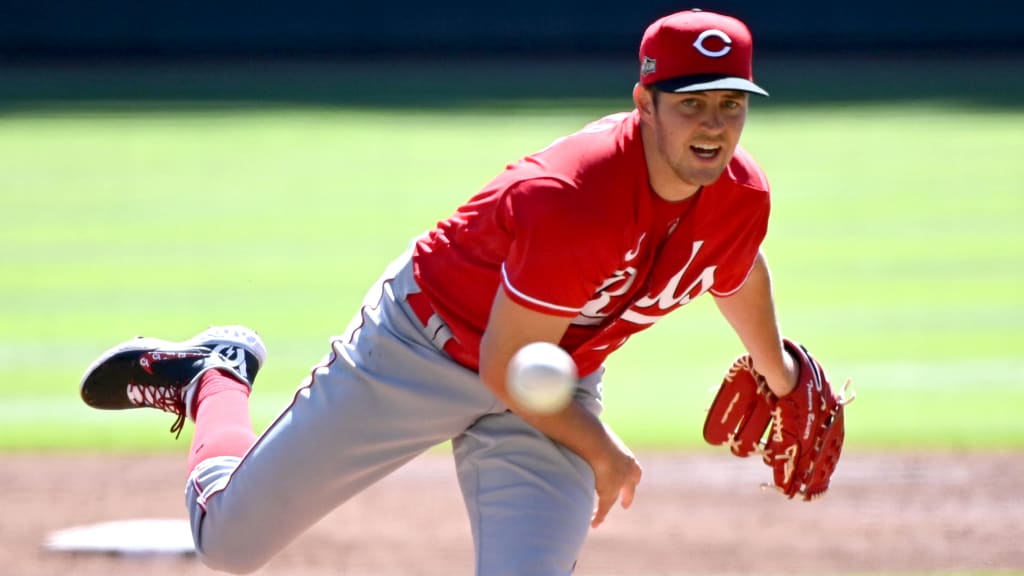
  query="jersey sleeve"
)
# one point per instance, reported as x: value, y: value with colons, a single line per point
x: 730, y: 286
x: 743, y: 250
x: 559, y: 253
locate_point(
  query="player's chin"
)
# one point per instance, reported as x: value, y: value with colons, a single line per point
x: 701, y: 175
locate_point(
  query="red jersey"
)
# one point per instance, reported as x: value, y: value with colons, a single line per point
x: 575, y: 230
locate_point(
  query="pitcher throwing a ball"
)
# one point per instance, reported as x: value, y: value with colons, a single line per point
x: 579, y: 245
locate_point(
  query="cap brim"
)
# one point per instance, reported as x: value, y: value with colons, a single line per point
x: 703, y: 83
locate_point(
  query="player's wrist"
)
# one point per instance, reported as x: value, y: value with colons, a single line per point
x: 785, y: 380
x: 780, y: 375
x: 582, y: 431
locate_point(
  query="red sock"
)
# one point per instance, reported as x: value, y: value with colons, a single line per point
x: 223, y: 426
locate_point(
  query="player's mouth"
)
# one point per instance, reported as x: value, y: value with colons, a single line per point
x: 706, y: 151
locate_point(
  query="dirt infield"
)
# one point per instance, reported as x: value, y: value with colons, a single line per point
x: 694, y: 514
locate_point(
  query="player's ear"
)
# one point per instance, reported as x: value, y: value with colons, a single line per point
x: 644, y: 100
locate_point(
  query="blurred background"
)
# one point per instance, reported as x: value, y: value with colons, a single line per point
x: 166, y: 166
x: 528, y: 28
x: 380, y: 43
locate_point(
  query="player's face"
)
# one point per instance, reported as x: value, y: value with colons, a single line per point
x: 696, y: 133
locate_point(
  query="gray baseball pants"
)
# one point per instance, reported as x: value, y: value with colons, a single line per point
x: 384, y: 394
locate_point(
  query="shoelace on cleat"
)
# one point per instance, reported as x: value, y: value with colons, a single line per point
x: 163, y: 398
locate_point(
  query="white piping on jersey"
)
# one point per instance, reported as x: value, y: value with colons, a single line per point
x: 719, y: 294
x: 530, y: 299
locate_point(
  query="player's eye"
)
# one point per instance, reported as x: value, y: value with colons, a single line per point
x: 733, y: 105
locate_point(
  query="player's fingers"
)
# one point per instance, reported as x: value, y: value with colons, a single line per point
x: 629, y: 487
x: 628, y: 490
x: 604, y: 504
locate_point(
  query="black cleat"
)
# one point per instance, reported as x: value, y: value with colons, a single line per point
x: 148, y: 372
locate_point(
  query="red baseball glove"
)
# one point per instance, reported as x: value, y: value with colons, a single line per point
x: 806, y: 426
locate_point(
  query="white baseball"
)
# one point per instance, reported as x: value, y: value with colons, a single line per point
x: 542, y: 377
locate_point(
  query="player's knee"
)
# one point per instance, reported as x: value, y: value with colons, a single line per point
x: 224, y: 543
x: 232, y: 566
x: 224, y: 540
x: 230, y: 544
x: 232, y: 558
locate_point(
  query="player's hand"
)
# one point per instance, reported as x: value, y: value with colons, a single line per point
x: 616, y: 475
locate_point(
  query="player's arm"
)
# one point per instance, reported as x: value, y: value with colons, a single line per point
x: 751, y: 313
x: 511, y: 326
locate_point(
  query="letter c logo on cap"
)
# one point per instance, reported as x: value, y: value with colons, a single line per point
x: 713, y: 33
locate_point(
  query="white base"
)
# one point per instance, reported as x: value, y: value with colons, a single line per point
x: 129, y: 537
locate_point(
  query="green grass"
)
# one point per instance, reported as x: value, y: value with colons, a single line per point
x: 895, y: 243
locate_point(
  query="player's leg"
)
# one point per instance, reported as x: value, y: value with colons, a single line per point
x: 377, y: 401
x: 223, y: 426
x: 385, y: 394
x: 207, y: 378
x: 530, y: 500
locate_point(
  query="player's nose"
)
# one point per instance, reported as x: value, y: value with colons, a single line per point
x: 712, y: 120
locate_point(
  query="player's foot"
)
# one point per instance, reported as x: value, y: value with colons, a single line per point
x: 148, y: 372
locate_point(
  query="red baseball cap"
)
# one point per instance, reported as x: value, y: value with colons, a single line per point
x: 693, y: 51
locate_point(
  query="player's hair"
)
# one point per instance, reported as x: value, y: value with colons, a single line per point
x: 655, y: 95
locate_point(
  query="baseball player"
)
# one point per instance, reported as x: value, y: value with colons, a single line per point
x: 583, y: 244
